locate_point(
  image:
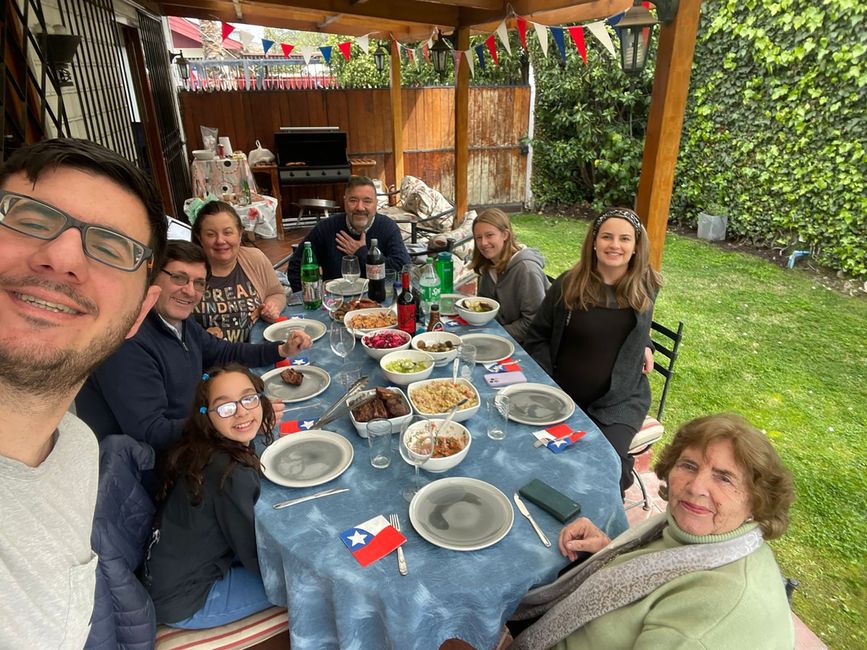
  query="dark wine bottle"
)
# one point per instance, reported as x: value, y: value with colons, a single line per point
x: 406, y: 310
x: 374, y: 269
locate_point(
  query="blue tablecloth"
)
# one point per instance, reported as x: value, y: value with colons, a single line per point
x: 334, y: 602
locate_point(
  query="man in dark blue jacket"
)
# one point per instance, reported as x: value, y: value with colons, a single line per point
x: 145, y: 389
x: 348, y: 233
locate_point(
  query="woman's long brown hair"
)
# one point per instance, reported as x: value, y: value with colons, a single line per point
x: 187, y: 459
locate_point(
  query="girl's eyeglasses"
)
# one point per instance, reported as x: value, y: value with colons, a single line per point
x: 228, y: 409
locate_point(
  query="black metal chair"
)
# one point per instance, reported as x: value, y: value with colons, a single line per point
x: 667, y: 344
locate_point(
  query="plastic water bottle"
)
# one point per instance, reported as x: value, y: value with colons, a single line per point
x: 310, y: 289
x: 446, y: 271
x: 429, y: 282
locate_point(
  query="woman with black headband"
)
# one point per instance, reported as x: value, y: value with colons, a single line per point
x: 592, y: 331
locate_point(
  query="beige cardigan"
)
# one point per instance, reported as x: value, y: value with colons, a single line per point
x: 258, y: 269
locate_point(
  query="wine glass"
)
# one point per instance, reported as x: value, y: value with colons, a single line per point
x: 342, y: 341
x: 332, y: 300
x: 350, y: 270
x: 416, y: 448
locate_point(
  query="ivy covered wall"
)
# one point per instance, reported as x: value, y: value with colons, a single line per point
x: 776, y: 126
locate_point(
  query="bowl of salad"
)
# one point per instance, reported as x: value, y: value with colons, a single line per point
x: 380, y: 342
x: 476, y: 310
x: 406, y: 366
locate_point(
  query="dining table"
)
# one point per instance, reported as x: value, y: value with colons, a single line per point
x: 447, y: 594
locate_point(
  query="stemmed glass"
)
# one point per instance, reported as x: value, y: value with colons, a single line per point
x: 350, y: 270
x: 416, y: 448
x: 342, y: 341
x: 332, y: 300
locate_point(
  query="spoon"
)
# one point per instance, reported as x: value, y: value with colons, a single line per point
x: 455, y: 370
x: 448, y: 419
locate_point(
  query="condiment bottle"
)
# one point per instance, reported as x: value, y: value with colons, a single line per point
x: 435, y: 324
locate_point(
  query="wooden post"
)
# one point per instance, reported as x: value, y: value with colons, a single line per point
x: 462, y: 136
x: 396, y: 115
x: 664, y: 123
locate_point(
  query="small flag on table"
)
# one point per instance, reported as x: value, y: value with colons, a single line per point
x: 504, y: 365
x: 455, y: 321
x: 297, y: 361
x: 294, y: 426
x: 559, y: 437
x: 371, y: 540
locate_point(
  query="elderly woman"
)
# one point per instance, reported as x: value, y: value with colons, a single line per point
x: 699, y: 575
x: 242, y: 285
x: 509, y: 272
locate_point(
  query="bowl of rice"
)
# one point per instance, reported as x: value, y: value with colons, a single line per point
x: 433, y: 398
x: 451, y: 446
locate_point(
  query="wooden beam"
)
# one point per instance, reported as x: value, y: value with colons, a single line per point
x: 664, y: 123
x: 462, y: 136
x: 396, y: 115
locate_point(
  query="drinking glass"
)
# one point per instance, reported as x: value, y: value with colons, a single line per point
x: 468, y: 360
x: 390, y: 278
x: 332, y: 300
x: 497, y: 412
x: 416, y: 448
x: 379, y: 440
x: 342, y: 341
x: 350, y: 270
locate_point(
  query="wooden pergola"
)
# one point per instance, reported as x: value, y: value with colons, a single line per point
x: 415, y: 20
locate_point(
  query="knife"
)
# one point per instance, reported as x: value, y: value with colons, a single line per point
x: 520, y: 503
x: 324, y: 493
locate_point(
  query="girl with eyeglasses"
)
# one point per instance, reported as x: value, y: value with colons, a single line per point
x: 202, y: 569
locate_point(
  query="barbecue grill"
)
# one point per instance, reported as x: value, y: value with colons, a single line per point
x: 309, y: 155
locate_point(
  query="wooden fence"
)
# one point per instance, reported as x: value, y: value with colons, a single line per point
x: 498, y: 120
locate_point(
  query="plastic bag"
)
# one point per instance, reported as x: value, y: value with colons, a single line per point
x: 209, y: 138
x: 260, y: 156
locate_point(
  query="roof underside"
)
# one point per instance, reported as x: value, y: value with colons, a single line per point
x: 405, y: 20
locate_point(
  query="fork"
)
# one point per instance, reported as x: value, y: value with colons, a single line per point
x: 401, y: 560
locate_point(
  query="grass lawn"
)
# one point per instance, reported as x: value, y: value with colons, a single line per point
x: 791, y: 356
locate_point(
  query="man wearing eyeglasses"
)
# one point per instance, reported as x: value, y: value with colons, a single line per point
x: 145, y: 389
x: 80, y: 231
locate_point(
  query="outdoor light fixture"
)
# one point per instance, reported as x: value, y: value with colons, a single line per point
x: 635, y: 30
x: 380, y: 57
x: 182, y: 63
x: 59, y: 50
x: 440, y: 53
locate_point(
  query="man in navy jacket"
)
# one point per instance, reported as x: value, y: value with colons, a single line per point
x: 348, y: 233
x: 145, y: 389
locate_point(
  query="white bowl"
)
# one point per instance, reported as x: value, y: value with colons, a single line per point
x: 404, y: 378
x: 464, y: 413
x: 440, y: 358
x: 356, y: 314
x: 455, y: 430
x: 477, y: 317
x: 203, y: 154
x: 396, y: 423
x: 378, y: 353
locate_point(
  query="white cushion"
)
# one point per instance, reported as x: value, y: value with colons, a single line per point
x: 651, y: 431
x: 245, y: 633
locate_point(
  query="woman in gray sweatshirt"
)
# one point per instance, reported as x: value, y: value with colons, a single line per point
x: 509, y: 272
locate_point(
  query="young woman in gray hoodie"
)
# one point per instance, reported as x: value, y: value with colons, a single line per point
x: 509, y: 272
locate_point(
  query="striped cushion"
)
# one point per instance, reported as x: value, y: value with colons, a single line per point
x: 650, y: 432
x: 241, y: 634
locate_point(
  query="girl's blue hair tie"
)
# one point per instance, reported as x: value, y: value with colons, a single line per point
x: 206, y: 377
x: 203, y: 410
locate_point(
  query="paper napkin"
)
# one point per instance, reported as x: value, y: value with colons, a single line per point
x: 294, y: 426
x: 505, y: 365
x: 297, y: 361
x: 371, y: 540
x: 559, y: 437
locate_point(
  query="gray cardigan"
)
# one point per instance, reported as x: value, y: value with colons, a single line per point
x: 628, y: 399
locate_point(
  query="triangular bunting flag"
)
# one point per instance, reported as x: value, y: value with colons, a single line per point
x: 425, y: 52
x: 364, y: 43
x: 469, y: 58
x: 503, y: 33
x: 557, y: 33
x: 615, y: 19
x: 307, y: 52
x: 409, y: 57
x: 542, y: 35
x: 577, y: 34
x: 522, y: 31
x: 419, y: 54
x: 345, y: 49
x: 598, y: 30
x: 266, y: 45
x: 492, y: 48
x: 227, y: 29
x: 287, y: 49
x: 480, y: 52
x: 326, y: 53
x: 245, y: 38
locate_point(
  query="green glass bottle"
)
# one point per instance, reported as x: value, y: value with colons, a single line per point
x: 311, y: 291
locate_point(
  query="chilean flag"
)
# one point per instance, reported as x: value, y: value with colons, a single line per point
x: 298, y: 361
x: 294, y: 426
x: 371, y: 540
x: 559, y: 437
x: 506, y: 365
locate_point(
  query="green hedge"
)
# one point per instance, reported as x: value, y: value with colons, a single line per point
x: 775, y: 126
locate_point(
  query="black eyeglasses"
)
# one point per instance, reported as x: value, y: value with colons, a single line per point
x: 228, y: 409
x: 182, y: 279
x: 35, y: 218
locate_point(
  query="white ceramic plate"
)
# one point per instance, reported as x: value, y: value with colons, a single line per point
x: 279, y: 332
x: 316, y: 380
x: 461, y: 514
x: 344, y: 288
x: 307, y: 458
x: 489, y: 347
x: 538, y: 404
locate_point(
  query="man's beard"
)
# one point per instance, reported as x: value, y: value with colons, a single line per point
x: 358, y: 231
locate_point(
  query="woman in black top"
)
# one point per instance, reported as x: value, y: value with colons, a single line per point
x: 203, y: 571
x: 592, y: 331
